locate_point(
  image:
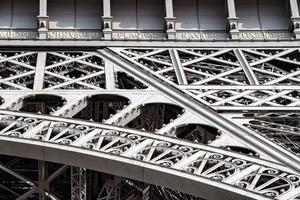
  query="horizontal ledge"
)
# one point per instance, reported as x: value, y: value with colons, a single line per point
x: 89, y: 44
x: 240, y: 87
x: 255, y: 108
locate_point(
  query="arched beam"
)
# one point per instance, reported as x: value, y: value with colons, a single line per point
x: 192, y: 168
x: 124, y: 167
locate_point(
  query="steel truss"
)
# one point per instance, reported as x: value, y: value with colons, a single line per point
x: 250, y: 95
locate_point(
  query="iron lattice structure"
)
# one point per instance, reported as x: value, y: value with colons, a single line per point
x: 158, y: 122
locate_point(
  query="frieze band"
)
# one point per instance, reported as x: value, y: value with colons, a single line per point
x: 138, y: 35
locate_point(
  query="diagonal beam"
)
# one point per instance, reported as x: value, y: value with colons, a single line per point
x: 269, y: 58
x: 25, y: 65
x: 83, y: 62
x: 267, y: 55
x: 5, y: 59
x: 18, y: 176
x: 207, y: 57
x: 246, y: 67
x: 214, y: 77
x: 68, y: 60
x: 70, y: 80
x: 257, y: 142
x: 9, y: 190
x: 27, y: 194
x: 56, y: 174
x: 79, y: 80
x: 178, y: 67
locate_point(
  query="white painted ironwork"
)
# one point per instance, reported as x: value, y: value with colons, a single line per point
x: 218, y: 79
x: 167, y: 153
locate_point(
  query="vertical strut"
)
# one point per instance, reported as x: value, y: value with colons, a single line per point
x: 178, y: 67
x: 41, y: 176
x: 109, y: 76
x: 246, y: 67
x: 39, y: 71
x: 78, y: 183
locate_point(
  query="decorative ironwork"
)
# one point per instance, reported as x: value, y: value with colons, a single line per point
x: 226, y: 81
x: 213, y: 163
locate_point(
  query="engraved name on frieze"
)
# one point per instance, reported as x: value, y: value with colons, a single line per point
x: 73, y: 35
x: 15, y: 34
x: 265, y: 35
x: 196, y: 36
x: 136, y: 35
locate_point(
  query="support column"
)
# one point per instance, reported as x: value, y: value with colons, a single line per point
x: 42, y: 177
x: 107, y: 20
x: 170, y: 20
x: 295, y: 19
x: 40, y: 71
x: 43, y: 20
x: 110, y: 76
x: 178, y: 67
x: 232, y: 20
x: 78, y: 183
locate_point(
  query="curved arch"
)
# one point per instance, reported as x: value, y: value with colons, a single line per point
x: 153, y: 116
x: 243, y: 150
x: 197, y: 133
x: 170, y: 162
x: 124, y: 167
x: 42, y: 103
x: 1, y: 100
x: 101, y: 106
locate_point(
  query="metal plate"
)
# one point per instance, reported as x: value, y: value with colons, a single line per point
x: 70, y: 14
x: 124, y: 14
x: 88, y: 14
x: 61, y: 14
x: 140, y: 15
x: 262, y: 15
x: 18, y: 14
x: 200, y: 14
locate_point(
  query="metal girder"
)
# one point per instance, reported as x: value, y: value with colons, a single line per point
x: 30, y: 183
x: 178, y: 67
x: 20, y: 177
x: 246, y: 67
x: 27, y: 194
x: 9, y: 190
x: 39, y: 71
x: 110, y: 76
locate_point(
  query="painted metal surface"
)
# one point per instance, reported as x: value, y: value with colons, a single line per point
x: 165, y: 67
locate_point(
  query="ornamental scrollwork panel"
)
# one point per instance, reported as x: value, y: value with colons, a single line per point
x: 213, y: 163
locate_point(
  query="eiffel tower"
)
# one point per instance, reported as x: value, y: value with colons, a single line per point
x: 149, y: 100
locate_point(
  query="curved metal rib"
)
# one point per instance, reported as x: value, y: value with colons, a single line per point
x: 161, y: 160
